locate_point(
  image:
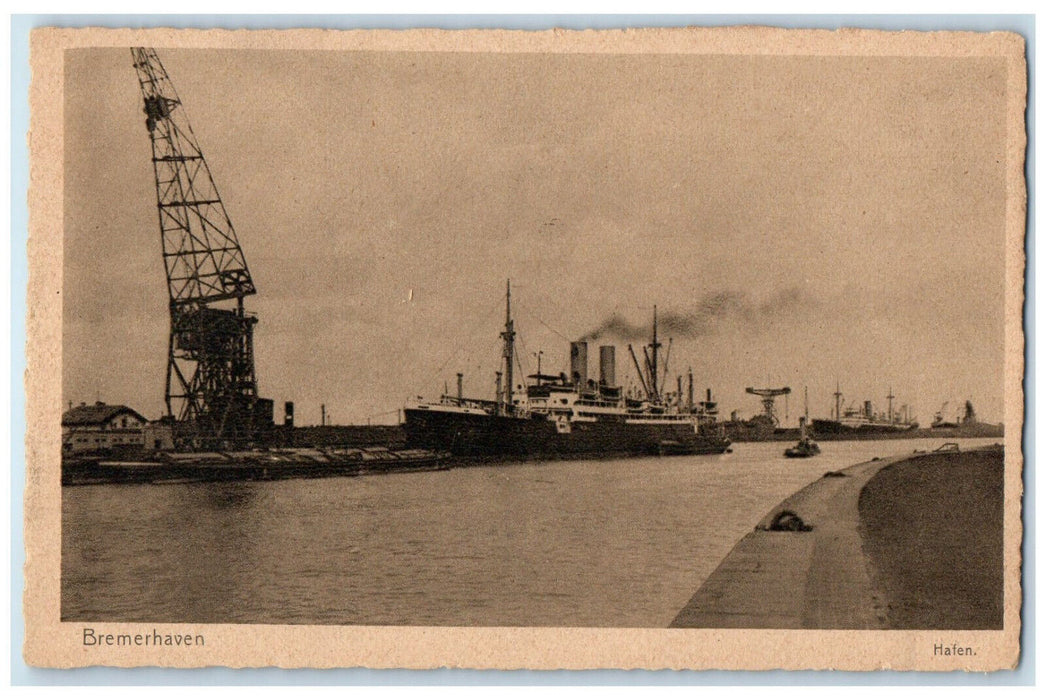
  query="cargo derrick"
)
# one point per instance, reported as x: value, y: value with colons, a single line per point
x: 212, y: 391
x: 650, y: 377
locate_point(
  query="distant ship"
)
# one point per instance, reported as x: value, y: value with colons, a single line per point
x: 939, y: 421
x: 569, y: 416
x: 968, y: 424
x: 864, y: 420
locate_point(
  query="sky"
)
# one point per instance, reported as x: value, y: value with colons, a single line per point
x: 808, y: 221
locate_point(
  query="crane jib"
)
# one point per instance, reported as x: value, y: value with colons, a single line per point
x: 212, y: 392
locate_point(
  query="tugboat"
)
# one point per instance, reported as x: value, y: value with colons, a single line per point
x: 806, y: 447
x: 569, y: 416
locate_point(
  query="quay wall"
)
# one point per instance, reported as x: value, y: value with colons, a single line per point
x: 911, y: 542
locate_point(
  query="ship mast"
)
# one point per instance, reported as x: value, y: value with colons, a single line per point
x: 838, y: 398
x: 654, y: 347
x: 509, y: 336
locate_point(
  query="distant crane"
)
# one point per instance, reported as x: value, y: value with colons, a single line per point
x: 768, y: 396
x: 212, y: 391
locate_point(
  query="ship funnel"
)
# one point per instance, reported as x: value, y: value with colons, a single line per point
x: 606, y: 366
x: 288, y: 414
x: 460, y: 377
x: 868, y: 409
x: 579, y: 362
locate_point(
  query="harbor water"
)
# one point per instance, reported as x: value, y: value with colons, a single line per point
x: 621, y: 543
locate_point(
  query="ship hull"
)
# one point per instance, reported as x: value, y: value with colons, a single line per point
x: 832, y: 427
x: 475, y: 435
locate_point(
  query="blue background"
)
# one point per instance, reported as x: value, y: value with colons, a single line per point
x: 21, y: 674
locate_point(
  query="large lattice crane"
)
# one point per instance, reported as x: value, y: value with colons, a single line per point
x: 212, y: 391
x: 768, y: 396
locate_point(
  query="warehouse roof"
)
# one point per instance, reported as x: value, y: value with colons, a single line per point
x: 96, y: 414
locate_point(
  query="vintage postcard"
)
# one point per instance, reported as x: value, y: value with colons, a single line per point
x: 666, y: 349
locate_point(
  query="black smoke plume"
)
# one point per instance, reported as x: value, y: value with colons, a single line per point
x: 709, y: 314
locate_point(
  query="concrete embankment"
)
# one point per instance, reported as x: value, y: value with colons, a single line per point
x: 914, y: 542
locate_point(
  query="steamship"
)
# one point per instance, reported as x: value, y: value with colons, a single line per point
x: 864, y: 420
x: 557, y: 416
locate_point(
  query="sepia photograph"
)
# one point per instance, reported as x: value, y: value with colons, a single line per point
x: 626, y: 335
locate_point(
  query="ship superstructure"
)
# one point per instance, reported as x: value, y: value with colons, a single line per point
x: 569, y: 414
x: 865, y: 419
